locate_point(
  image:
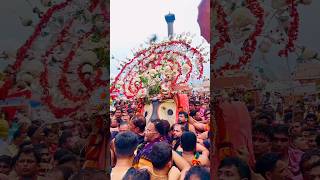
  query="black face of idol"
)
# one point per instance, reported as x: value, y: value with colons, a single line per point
x: 155, y: 104
x: 166, y: 110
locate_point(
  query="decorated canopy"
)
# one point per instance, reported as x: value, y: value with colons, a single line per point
x: 161, y: 68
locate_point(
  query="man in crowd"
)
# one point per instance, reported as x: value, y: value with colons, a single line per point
x: 137, y: 174
x: 162, y: 158
x: 177, y: 130
x: 183, y: 120
x: 307, y: 160
x: 271, y: 167
x: 137, y: 125
x: 66, y: 141
x: 118, y: 113
x: 280, y: 141
x: 26, y: 164
x: 5, y: 164
x: 233, y: 168
x: 154, y: 132
x: 125, y: 145
x: 123, y: 126
x: 191, y: 150
x: 198, y: 172
x: 296, y: 128
x: 311, y: 120
x: 262, y: 136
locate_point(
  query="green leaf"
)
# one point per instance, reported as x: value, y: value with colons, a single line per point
x: 144, y: 80
x: 102, y: 54
x: 96, y: 37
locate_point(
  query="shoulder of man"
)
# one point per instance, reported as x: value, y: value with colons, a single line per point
x: 174, y: 173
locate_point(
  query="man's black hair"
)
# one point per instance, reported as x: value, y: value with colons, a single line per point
x: 267, y: 163
x: 137, y: 174
x: 184, y: 113
x: 263, y: 129
x: 198, y: 171
x: 160, y: 155
x: 188, y: 141
x: 26, y: 143
x: 126, y: 143
x: 242, y: 167
x: 265, y: 115
x: 159, y: 126
x: 64, y: 137
x: 166, y: 126
x: 27, y: 150
x: 130, y: 110
x: 193, y: 112
x: 32, y: 129
x: 250, y: 108
x: 207, y: 111
x: 306, y: 157
x: 6, y: 159
x: 119, y: 120
x: 318, y: 140
x: 60, y: 153
x: 47, y: 131
x: 288, y: 117
x: 118, y: 109
x: 140, y: 122
x: 70, y: 157
x: 281, y: 129
x: 39, y: 147
x: 177, y: 124
x: 197, y: 103
x: 312, y: 116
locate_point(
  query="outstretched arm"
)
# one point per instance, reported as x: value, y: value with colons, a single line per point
x: 204, y: 151
x: 197, y: 125
x: 204, y: 160
x: 180, y: 161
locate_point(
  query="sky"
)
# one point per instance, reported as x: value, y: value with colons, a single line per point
x: 133, y: 22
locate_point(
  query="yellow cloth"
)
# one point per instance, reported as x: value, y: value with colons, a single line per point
x: 13, y: 149
x: 4, y: 129
x: 142, y: 163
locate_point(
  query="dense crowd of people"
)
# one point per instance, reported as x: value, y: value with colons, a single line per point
x: 155, y: 149
x: 31, y: 149
x: 285, y: 139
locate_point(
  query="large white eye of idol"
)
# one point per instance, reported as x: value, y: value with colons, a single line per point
x: 167, y: 111
x: 147, y: 113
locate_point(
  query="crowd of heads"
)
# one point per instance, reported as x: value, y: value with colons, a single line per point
x: 285, y: 139
x: 146, y: 149
x: 36, y: 149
